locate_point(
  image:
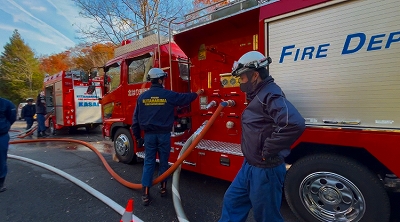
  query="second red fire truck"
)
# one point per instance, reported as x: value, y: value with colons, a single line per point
x: 72, y: 103
x: 337, y: 62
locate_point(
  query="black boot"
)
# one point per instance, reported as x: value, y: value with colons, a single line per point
x: 146, y: 196
x: 39, y: 134
x: 44, y: 134
x: 163, y: 189
x: 2, y: 187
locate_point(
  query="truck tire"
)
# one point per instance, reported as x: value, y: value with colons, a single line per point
x: 123, y: 145
x: 328, y: 187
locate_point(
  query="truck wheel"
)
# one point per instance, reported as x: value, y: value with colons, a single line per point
x: 328, y: 187
x: 123, y: 145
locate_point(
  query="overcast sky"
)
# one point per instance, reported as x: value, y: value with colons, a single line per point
x: 47, y: 26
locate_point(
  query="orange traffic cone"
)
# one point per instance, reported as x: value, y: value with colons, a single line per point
x: 127, y: 216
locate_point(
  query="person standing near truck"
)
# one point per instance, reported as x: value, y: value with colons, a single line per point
x: 270, y: 125
x: 27, y: 113
x: 41, y: 113
x: 154, y: 114
x: 8, y: 115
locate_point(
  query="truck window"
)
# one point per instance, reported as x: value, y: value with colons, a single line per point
x: 183, y: 68
x: 138, y: 69
x: 114, y: 78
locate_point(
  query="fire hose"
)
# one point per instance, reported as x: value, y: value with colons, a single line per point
x: 112, y: 172
x: 190, y: 144
x: 31, y: 130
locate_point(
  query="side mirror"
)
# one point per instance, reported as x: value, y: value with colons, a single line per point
x: 93, y: 74
x: 90, y: 90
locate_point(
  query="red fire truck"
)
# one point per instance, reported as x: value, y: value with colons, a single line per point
x: 75, y: 104
x: 337, y: 62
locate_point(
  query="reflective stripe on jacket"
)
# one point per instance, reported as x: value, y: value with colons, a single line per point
x: 154, y: 112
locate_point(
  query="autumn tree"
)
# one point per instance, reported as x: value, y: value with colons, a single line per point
x: 84, y: 56
x: 20, y: 76
x: 203, y: 3
x: 202, y: 7
x: 55, y: 63
x: 114, y: 20
x: 96, y: 55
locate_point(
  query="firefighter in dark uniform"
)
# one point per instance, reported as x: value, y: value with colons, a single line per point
x: 27, y: 113
x: 270, y: 125
x: 8, y: 115
x: 154, y: 114
x: 41, y: 115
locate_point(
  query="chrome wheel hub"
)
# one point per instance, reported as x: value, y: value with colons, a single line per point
x: 332, y: 197
x: 122, y: 145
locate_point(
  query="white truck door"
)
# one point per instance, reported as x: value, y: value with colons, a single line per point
x: 339, y: 65
x: 87, y: 106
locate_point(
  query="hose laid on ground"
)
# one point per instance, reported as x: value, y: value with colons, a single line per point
x: 25, y: 133
x: 88, y: 145
x: 33, y: 128
x: 119, y: 178
x: 112, y: 204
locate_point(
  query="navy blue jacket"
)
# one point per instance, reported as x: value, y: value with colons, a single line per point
x: 28, y: 111
x: 154, y: 112
x: 270, y: 125
x: 8, y: 115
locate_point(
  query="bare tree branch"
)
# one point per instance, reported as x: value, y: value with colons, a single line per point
x: 114, y: 20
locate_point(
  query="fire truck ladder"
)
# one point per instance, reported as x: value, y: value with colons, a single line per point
x: 211, y: 13
x: 154, y: 34
x: 143, y: 37
x: 218, y: 11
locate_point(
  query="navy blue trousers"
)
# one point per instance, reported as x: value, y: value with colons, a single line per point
x: 29, y: 122
x: 4, y: 139
x: 40, y: 120
x: 155, y: 143
x: 257, y: 188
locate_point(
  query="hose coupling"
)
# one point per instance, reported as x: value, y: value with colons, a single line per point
x: 228, y: 103
x: 211, y: 104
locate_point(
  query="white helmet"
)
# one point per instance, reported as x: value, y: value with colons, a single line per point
x: 250, y: 60
x: 155, y: 73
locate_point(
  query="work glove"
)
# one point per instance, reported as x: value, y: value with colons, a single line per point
x: 140, y: 142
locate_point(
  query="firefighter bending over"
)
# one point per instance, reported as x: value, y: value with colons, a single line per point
x: 154, y: 114
x: 270, y: 125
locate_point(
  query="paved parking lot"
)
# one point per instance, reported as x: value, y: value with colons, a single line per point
x: 35, y: 194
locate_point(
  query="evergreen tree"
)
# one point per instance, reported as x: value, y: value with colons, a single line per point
x: 20, y: 76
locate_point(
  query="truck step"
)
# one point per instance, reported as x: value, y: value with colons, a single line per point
x: 217, y: 146
x: 143, y: 154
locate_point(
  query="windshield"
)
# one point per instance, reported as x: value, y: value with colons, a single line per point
x: 112, y: 78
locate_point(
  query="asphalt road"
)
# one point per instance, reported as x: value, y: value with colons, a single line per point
x: 35, y: 194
